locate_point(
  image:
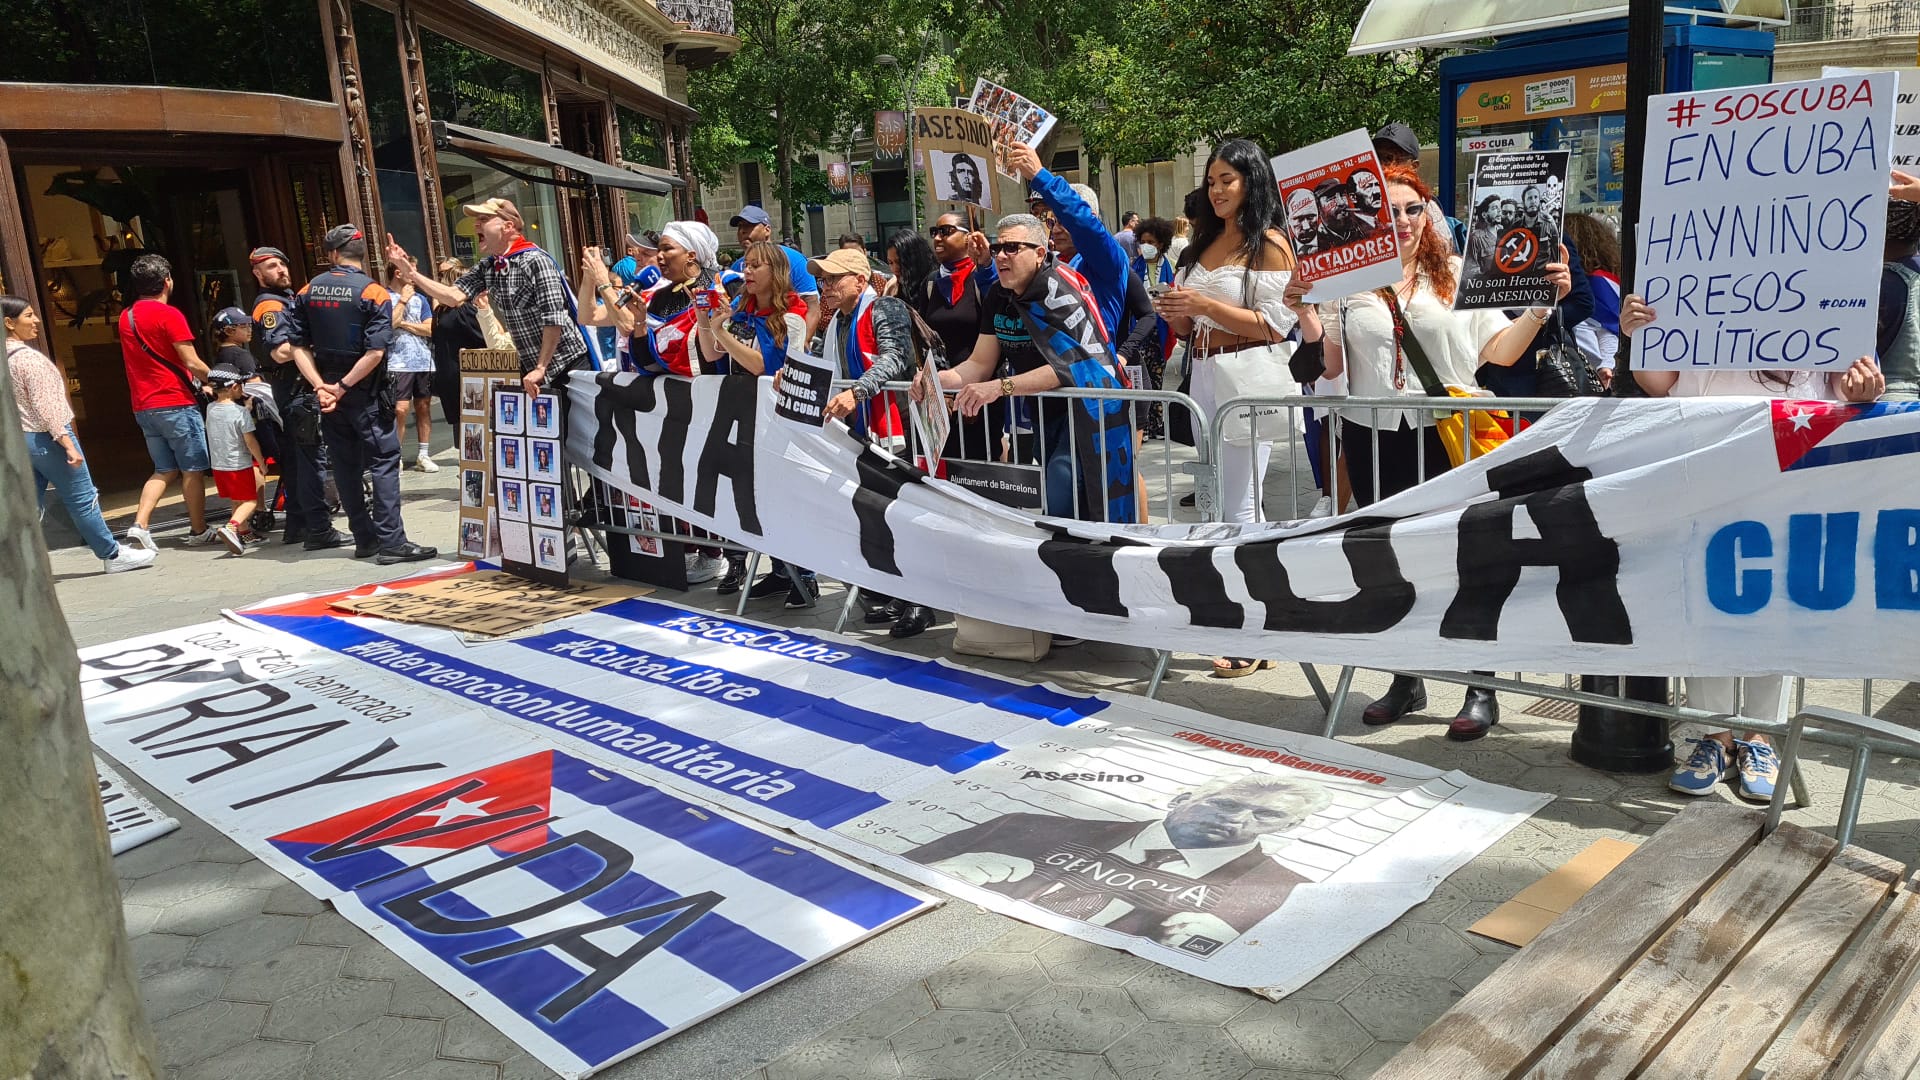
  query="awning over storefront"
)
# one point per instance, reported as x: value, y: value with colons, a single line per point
x: 1391, y: 25
x: 502, y: 150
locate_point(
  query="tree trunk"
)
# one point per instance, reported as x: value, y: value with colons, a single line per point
x: 69, y: 1006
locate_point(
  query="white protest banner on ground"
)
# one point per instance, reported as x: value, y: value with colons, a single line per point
x: 958, y: 145
x: 880, y: 755
x: 1762, y: 224
x: 1643, y: 537
x: 132, y: 819
x: 1513, y: 232
x: 1906, y: 113
x: 1015, y: 120
x: 1336, y: 206
x: 470, y: 846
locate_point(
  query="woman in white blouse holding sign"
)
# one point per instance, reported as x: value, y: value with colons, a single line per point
x: 1365, y: 338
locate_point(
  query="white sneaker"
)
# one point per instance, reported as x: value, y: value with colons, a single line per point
x: 202, y: 539
x: 129, y: 557
x: 140, y: 536
x: 703, y: 568
x: 425, y: 463
x: 1323, y: 508
x: 230, y: 536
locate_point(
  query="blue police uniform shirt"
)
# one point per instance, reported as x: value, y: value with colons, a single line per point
x: 803, y: 282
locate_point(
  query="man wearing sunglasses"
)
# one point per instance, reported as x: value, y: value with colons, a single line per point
x: 1041, y: 317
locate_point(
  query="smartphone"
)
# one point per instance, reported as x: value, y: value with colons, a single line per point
x: 1158, y: 289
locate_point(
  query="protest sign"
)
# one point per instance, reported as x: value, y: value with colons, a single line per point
x: 957, y: 144
x: 1015, y: 119
x: 484, y: 603
x: 1906, y: 113
x: 532, y: 505
x: 930, y: 420
x: 804, y: 390
x: 889, y: 137
x: 482, y: 372
x: 1763, y: 222
x: 1336, y: 208
x: 1518, y: 205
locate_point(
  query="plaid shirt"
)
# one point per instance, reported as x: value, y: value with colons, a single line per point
x: 529, y: 295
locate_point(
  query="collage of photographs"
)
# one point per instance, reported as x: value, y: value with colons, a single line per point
x: 529, y: 498
x: 1016, y: 120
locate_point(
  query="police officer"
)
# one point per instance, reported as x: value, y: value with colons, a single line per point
x: 342, y: 321
x: 298, y: 450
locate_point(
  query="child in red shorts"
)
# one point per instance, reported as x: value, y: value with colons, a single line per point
x: 234, y: 453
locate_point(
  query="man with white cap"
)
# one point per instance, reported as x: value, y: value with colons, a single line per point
x: 525, y: 287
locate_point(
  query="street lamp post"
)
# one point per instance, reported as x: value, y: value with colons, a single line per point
x: 913, y: 189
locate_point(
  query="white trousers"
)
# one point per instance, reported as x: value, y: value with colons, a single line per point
x: 1243, y: 466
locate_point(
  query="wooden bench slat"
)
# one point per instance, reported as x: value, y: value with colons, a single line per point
x: 1764, y: 990
x: 1843, y: 1022
x: 1634, y: 1018
x: 1894, y: 1054
x: 1502, y: 1025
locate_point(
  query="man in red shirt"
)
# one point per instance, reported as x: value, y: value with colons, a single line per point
x: 163, y: 369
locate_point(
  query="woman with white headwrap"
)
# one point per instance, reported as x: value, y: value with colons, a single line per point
x: 689, y: 261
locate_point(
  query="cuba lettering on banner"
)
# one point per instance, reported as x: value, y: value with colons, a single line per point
x: 1581, y: 546
x: 1763, y: 223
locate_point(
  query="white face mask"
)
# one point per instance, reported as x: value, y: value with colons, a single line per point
x: 1149, y: 252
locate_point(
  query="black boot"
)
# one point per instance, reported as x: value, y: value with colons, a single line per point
x: 1479, y: 712
x: 880, y: 614
x: 914, y: 620
x: 734, y: 578
x: 1406, y: 695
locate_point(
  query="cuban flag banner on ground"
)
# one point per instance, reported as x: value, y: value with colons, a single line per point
x: 1698, y: 536
x: 584, y: 913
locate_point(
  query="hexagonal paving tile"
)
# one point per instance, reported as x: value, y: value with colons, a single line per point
x: 1178, y: 1052
x: 1315, y: 1036
x: 154, y: 953
x: 205, y: 1030
x: 1414, y: 949
x: 1054, y: 1065
x: 445, y: 1069
x: 465, y: 1035
x: 886, y: 1016
x: 1286, y: 1074
x: 254, y: 938
x: 985, y: 980
x: 1164, y: 994
x: 320, y: 1010
x: 1568, y: 782
x: 416, y: 995
x: 950, y: 1044
x: 290, y: 899
x: 1478, y: 969
x: 1337, y: 981
x: 139, y: 918
x: 833, y: 1059
x: 210, y: 911
x: 1398, y: 1007
x: 332, y: 928
x: 180, y: 988
x: 293, y: 968
x: 1022, y: 938
x: 184, y: 882
x: 1492, y: 878
x: 256, y: 1059
x: 1081, y: 1019
x: 1375, y: 1057
x: 1072, y: 962
x: 376, y: 1049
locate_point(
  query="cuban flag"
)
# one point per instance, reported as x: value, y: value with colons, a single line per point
x: 586, y: 914
x: 1813, y: 434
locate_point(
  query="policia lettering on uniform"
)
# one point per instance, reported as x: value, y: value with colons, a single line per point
x: 340, y: 324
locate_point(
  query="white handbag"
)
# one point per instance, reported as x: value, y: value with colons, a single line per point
x: 978, y: 637
x: 1259, y: 372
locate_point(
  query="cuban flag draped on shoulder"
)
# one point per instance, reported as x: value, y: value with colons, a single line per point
x: 1067, y: 329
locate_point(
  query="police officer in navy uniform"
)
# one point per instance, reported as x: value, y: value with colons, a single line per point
x: 298, y: 450
x: 342, y: 322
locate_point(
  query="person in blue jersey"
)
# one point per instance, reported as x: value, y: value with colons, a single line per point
x: 1078, y: 238
x: 751, y: 335
x: 751, y: 226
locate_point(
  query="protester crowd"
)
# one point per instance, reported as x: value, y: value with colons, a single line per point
x: 321, y: 384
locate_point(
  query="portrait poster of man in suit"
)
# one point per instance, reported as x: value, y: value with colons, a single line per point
x: 1193, y: 879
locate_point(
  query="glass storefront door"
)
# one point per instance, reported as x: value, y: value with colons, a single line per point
x: 465, y: 180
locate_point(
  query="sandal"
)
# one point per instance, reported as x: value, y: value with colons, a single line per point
x: 1238, y: 667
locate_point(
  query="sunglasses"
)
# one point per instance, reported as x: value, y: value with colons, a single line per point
x: 1011, y: 247
x: 941, y: 232
x: 1410, y: 211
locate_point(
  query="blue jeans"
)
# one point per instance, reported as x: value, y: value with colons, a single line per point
x: 176, y: 438
x: 74, y: 485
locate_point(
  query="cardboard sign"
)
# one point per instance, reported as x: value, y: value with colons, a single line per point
x: 958, y: 145
x: 1336, y: 206
x: 1763, y: 224
x: 486, y: 603
x: 1518, y: 205
x: 804, y: 392
x: 930, y: 419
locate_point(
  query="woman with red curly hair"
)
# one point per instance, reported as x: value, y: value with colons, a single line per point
x: 1390, y: 450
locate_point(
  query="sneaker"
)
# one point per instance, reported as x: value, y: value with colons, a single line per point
x: 733, y: 579
x: 771, y: 585
x: 129, y: 557
x: 1705, y: 767
x: 1759, y: 768
x: 140, y: 536
x: 211, y: 535
x: 703, y: 568
x: 1061, y: 641
x: 253, y: 539
x: 1323, y: 508
x: 405, y: 553
x: 425, y: 463
x: 802, y: 593
x: 332, y: 538
x: 1189, y: 499
x: 230, y: 536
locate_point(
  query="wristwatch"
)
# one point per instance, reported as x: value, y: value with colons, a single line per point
x: 862, y: 392
x: 1006, y: 386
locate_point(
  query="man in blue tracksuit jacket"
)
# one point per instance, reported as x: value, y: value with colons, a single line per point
x: 1096, y: 254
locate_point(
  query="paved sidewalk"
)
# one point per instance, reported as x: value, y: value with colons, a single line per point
x: 246, y: 977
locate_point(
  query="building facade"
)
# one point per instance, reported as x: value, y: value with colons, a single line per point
x: 198, y: 132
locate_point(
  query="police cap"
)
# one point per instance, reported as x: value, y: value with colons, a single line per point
x: 340, y: 236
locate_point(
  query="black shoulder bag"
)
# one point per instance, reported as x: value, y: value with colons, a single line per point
x: 187, y: 381
x: 1561, y: 368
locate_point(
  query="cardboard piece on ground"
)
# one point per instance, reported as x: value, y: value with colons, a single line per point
x: 487, y: 603
x: 1521, y: 919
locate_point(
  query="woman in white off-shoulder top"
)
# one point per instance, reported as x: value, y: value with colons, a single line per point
x: 1230, y: 293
